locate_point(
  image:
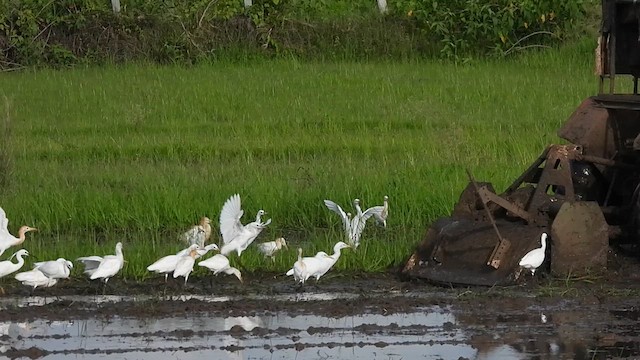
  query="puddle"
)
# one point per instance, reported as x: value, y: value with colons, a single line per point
x: 435, y: 332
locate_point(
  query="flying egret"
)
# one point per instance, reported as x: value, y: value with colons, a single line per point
x: 198, y: 234
x: 6, y: 239
x: 98, y: 267
x: 235, y: 236
x: 381, y: 216
x: 167, y: 264
x: 534, y: 258
x: 55, y: 269
x: 7, y: 267
x: 269, y: 249
x: 35, y: 278
x: 219, y: 263
x: 184, y: 266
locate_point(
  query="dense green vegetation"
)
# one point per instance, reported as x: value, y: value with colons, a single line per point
x: 137, y: 153
x: 63, y: 33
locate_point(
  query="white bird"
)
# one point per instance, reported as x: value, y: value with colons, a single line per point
x: 167, y: 264
x: 353, y: 227
x: 55, y: 269
x: 7, y: 267
x: 345, y: 217
x: 298, y: 268
x: 200, y: 251
x: 184, y: 266
x: 534, y: 258
x: 6, y: 239
x: 98, y: 267
x: 219, y: 263
x: 269, y: 249
x: 381, y: 216
x: 35, y: 278
x: 360, y: 219
x: 198, y: 234
x: 328, y: 261
x: 306, y: 267
x: 235, y: 236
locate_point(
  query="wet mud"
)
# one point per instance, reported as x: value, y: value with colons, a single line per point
x: 343, y: 317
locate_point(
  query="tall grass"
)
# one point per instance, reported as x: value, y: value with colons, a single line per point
x: 137, y: 153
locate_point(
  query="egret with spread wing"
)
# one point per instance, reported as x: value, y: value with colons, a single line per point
x: 235, y: 236
x: 98, y: 267
x: 6, y: 239
x: 381, y: 216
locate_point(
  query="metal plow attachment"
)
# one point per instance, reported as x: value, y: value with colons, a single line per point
x: 459, y: 251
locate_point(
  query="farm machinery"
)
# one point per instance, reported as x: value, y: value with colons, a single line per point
x: 584, y: 194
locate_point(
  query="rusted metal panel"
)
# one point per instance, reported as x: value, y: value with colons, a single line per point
x: 580, y: 239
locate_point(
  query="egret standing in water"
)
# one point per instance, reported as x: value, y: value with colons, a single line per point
x: 6, y: 239
x: 98, y: 267
x: 534, y: 258
x: 235, y: 236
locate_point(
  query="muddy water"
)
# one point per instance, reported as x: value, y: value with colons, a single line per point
x: 491, y: 329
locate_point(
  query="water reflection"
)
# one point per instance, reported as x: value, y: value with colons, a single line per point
x: 436, y: 332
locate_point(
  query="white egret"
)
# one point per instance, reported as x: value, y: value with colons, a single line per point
x: 198, y: 234
x: 7, y: 267
x: 381, y: 216
x: 534, y: 258
x: 55, y: 269
x: 167, y: 264
x: 98, y: 267
x: 298, y: 268
x: 35, y: 278
x: 200, y: 251
x: 235, y: 236
x: 219, y: 263
x: 359, y: 221
x: 353, y: 227
x: 306, y: 267
x: 345, y: 217
x: 184, y: 266
x: 328, y: 261
x: 6, y: 239
x: 269, y: 249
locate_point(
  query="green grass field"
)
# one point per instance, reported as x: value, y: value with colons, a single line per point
x: 138, y: 153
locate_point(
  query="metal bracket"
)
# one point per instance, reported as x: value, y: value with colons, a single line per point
x: 503, y: 245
